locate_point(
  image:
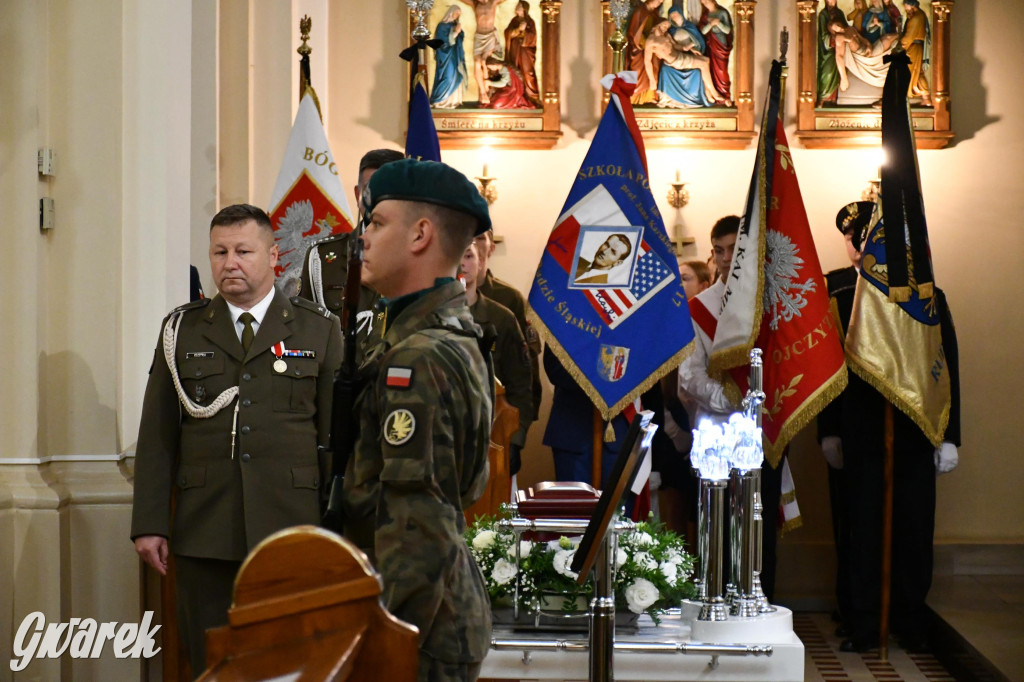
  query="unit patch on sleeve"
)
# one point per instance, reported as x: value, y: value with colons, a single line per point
x: 399, y: 427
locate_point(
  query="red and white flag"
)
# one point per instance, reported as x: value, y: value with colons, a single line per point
x: 776, y: 299
x: 308, y: 202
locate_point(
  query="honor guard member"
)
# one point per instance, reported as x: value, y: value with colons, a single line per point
x: 325, y: 266
x: 235, y: 417
x: 425, y: 415
x: 504, y: 293
x: 852, y: 221
x: 852, y: 436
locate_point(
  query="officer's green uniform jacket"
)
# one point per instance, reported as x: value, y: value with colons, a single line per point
x: 332, y: 252
x: 226, y: 504
x: 510, y: 297
x: 511, y: 361
x: 421, y: 458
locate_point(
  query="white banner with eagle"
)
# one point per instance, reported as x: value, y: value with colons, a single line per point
x: 309, y: 201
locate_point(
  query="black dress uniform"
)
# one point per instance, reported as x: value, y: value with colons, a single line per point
x: 857, y: 416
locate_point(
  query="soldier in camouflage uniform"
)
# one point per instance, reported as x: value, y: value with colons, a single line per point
x: 509, y: 351
x: 504, y: 293
x: 425, y: 415
x: 325, y: 265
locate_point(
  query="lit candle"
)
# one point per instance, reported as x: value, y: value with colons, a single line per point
x: 485, y: 170
x: 677, y: 176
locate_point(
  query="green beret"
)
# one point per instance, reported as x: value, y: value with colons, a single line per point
x: 431, y: 182
x: 854, y: 218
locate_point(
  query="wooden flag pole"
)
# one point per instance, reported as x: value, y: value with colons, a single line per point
x: 886, y: 572
x: 598, y: 450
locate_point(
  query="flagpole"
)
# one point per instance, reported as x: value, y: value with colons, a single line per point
x: 598, y: 450
x: 783, y: 49
x: 304, y: 50
x: 887, y: 496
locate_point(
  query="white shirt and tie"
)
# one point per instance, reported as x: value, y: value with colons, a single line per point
x: 258, y: 311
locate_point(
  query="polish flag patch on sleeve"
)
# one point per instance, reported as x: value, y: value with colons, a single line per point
x: 399, y: 377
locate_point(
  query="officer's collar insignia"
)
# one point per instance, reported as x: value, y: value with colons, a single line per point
x: 399, y: 427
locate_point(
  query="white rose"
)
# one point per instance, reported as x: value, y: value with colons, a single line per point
x: 503, y: 571
x: 525, y: 547
x: 484, y: 540
x: 670, y: 571
x: 673, y: 556
x: 644, y: 539
x: 645, y: 561
x: 620, y: 557
x: 562, y: 561
x: 640, y: 595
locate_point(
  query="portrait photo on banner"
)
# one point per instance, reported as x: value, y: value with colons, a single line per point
x: 694, y: 64
x: 488, y: 79
x: 843, y: 46
x: 605, y: 257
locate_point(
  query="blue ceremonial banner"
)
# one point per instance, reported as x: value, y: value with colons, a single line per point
x: 607, y: 297
x: 421, y: 138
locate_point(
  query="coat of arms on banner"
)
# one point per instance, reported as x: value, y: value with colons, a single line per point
x: 612, y: 363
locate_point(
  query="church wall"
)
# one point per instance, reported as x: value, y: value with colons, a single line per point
x: 106, y: 84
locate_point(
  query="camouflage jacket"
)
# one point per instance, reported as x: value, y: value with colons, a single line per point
x: 421, y: 457
x: 504, y: 293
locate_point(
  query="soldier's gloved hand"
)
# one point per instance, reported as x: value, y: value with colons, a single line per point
x: 946, y: 458
x: 832, y: 448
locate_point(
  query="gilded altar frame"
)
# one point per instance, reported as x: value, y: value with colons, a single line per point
x: 704, y: 127
x: 470, y: 127
x: 839, y: 127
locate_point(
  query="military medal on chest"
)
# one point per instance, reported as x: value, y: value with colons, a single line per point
x: 280, y: 366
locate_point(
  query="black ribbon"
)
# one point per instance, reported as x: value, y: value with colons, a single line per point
x: 902, y: 204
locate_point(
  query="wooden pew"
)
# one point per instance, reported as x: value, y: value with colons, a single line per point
x: 307, y: 608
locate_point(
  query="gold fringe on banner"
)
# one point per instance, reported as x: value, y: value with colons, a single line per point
x: 607, y: 412
x: 814, y: 404
x: 899, y: 294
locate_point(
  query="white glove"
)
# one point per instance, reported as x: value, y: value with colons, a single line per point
x: 832, y: 448
x: 946, y: 458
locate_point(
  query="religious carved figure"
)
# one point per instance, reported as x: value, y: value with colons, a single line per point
x: 684, y: 75
x: 521, y: 49
x: 828, y: 70
x: 716, y: 25
x: 644, y: 17
x: 485, y: 42
x: 449, y: 61
x: 915, y: 42
x: 506, y: 89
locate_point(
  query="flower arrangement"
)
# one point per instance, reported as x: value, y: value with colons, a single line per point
x: 652, y: 569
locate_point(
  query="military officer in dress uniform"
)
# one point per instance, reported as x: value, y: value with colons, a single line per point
x: 235, y: 420
x: 325, y: 265
x: 425, y: 415
x: 504, y: 293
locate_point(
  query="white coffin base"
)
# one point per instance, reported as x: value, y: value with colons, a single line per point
x: 786, y: 664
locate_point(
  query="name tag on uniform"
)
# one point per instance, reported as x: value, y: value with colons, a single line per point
x: 206, y: 354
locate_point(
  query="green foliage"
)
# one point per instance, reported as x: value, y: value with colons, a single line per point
x: 652, y: 568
